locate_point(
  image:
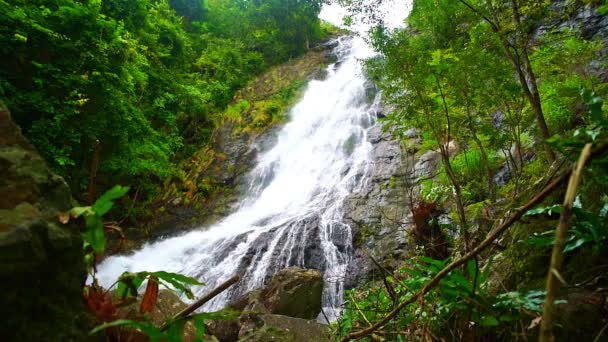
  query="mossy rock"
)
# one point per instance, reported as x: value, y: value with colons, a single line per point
x: 41, y: 261
x: 264, y: 327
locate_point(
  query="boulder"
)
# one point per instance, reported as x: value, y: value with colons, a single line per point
x: 582, y: 315
x: 265, y: 327
x: 285, y: 310
x: 293, y: 292
x: 41, y: 261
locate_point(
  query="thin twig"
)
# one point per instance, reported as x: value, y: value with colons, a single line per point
x: 597, y: 338
x: 359, y: 309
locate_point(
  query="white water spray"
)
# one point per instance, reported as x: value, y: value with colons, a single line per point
x: 292, y: 215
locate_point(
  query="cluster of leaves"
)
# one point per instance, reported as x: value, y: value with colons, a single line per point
x: 460, y: 302
x: 105, y: 306
x: 589, y: 225
x: 93, y: 236
x: 144, y: 77
x: 175, y: 331
x: 587, y: 228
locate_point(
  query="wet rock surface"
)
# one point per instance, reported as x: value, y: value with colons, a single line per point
x: 262, y: 328
x: 282, y: 311
x: 41, y: 261
x: 293, y: 292
x: 379, y: 214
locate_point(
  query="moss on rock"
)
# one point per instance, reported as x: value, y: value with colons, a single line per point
x: 41, y: 262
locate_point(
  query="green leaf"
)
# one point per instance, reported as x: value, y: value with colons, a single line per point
x: 594, y: 103
x: 570, y: 247
x: 472, y: 268
x: 462, y: 281
x: 556, y: 208
x: 104, y: 203
x: 145, y: 327
x: 79, y: 211
x: 128, y: 283
x: 604, y: 211
x: 440, y: 264
x: 134, y: 280
x: 177, y: 277
x: 94, y: 234
x: 489, y: 321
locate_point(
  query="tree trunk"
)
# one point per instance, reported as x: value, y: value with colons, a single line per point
x: 445, y: 158
x: 546, y: 327
x: 531, y: 86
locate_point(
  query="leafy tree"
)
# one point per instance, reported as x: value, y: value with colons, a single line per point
x: 143, y: 77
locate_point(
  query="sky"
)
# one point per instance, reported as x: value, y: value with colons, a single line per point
x: 394, y: 13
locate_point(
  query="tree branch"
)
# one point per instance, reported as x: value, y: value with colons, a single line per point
x: 190, y: 309
x: 546, y: 327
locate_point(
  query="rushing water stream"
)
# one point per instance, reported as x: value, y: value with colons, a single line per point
x: 292, y: 215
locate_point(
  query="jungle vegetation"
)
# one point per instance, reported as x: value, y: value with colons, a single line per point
x: 491, y: 86
x: 129, y: 87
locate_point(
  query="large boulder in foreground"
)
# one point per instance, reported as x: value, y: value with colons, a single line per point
x: 41, y: 262
x: 285, y: 310
x: 293, y: 292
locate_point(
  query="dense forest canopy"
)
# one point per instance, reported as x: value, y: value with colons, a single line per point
x: 145, y: 78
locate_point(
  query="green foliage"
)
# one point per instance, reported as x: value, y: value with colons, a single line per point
x: 461, y: 295
x: 434, y: 191
x: 174, y: 331
x: 128, y: 283
x: 459, y: 73
x: 587, y: 228
x: 564, y: 64
x: 93, y: 235
x: 143, y: 77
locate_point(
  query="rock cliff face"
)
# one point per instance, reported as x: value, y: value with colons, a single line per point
x: 41, y: 262
x: 380, y: 214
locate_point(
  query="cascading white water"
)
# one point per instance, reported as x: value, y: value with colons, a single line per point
x: 293, y: 213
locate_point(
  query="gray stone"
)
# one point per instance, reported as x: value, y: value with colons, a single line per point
x: 293, y: 292
x: 427, y: 165
x: 262, y: 328
x: 379, y: 213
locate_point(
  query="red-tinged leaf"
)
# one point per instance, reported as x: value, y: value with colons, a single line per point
x: 150, y: 297
x: 100, y: 303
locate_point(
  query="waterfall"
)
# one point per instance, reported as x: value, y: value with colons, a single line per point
x: 292, y: 215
